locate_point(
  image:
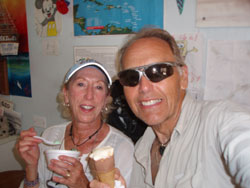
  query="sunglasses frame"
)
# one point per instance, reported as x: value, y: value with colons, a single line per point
x: 141, y: 70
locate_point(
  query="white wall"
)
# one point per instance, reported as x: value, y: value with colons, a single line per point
x: 9, y: 158
x: 47, y: 72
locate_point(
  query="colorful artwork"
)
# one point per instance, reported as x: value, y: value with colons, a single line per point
x: 18, y: 65
x: 19, y: 75
x: 47, y: 19
x: 191, y: 46
x: 19, y: 19
x: 100, y: 17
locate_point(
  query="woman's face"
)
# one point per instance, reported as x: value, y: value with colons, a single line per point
x: 87, y: 94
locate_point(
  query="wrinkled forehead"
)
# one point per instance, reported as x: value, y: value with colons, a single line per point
x: 146, y: 51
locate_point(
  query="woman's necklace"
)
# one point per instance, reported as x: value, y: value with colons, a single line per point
x: 85, y: 140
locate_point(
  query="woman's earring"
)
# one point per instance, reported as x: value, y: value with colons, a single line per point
x: 66, y: 104
x: 105, y: 109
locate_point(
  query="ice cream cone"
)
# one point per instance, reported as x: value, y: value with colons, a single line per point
x: 107, y: 177
x: 102, y: 165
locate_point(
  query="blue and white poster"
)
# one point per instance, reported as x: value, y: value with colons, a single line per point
x: 19, y: 75
x: 106, y: 17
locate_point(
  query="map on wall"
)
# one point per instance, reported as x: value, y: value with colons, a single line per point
x: 101, y: 17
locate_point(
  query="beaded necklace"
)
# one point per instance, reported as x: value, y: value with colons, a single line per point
x: 86, y: 139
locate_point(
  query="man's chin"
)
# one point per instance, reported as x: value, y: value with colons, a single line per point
x: 150, y: 122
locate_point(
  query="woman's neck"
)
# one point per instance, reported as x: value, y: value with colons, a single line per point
x: 81, y: 138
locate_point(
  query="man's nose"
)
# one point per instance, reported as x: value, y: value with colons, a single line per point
x: 144, y: 84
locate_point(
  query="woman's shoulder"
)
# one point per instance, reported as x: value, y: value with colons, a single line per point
x: 55, y: 129
x: 119, y: 137
x: 118, y: 133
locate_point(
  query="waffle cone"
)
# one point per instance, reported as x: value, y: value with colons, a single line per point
x: 108, y: 177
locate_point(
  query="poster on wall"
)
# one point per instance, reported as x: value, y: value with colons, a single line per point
x: 18, y: 69
x: 104, y: 54
x: 228, y: 71
x: 48, y: 21
x: 191, y: 46
x: 225, y: 13
x: 19, y: 75
x: 14, y: 22
x: 101, y: 17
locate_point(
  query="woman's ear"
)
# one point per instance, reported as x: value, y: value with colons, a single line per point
x: 184, y: 77
x: 108, y: 100
x: 66, y: 97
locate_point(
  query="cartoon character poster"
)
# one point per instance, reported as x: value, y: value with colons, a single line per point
x: 48, y: 20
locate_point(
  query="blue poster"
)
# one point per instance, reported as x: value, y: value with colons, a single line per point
x: 19, y: 75
x: 102, y: 17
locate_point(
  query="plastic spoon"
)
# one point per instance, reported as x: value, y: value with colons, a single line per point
x: 47, y: 141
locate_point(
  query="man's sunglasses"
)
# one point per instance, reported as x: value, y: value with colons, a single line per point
x: 154, y: 72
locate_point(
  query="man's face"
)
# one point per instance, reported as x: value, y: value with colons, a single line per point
x: 160, y: 102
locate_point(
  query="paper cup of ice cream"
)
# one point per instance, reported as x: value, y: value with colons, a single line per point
x: 54, y: 154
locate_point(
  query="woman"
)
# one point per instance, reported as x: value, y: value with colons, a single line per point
x: 85, y: 95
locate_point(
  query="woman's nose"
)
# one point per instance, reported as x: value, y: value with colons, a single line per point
x: 89, y: 93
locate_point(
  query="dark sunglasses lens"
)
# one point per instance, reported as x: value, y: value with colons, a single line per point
x: 129, y: 78
x: 158, y: 72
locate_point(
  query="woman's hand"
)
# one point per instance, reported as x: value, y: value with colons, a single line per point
x: 97, y: 184
x: 27, y: 147
x: 71, y: 171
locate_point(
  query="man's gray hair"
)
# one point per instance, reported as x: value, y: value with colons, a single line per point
x: 150, y: 33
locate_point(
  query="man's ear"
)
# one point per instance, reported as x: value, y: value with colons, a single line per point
x: 184, y: 77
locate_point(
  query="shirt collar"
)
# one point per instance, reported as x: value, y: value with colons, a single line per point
x: 142, y: 150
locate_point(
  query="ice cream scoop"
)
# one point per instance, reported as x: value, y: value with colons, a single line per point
x: 102, y: 165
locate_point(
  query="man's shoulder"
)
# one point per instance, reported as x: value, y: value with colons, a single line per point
x: 225, y: 106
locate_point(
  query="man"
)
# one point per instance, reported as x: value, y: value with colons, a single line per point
x: 187, y: 144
